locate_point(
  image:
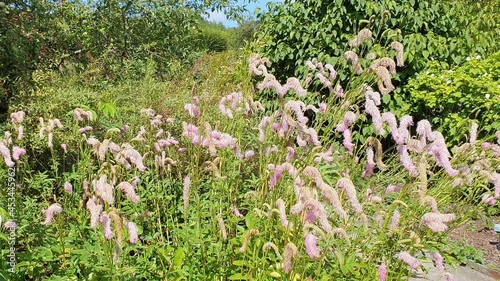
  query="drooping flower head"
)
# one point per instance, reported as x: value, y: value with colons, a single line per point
x: 312, y: 250
x: 49, y: 213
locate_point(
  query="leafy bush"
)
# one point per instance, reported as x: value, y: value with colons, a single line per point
x: 455, y: 97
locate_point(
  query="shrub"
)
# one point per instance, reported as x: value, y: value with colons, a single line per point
x: 455, y: 97
x: 297, y: 31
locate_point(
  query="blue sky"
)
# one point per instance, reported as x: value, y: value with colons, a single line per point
x: 219, y: 16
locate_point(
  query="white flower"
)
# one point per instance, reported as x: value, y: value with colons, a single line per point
x: 478, y: 57
x: 487, y: 96
x: 450, y: 71
x: 448, y: 82
x: 467, y: 59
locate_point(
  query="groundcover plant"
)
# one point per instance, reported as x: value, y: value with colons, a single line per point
x: 281, y: 189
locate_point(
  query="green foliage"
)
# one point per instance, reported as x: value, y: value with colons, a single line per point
x: 297, y: 31
x: 70, y: 36
x: 459, y: 251
x: 213, y: 37
x: 455, y: 97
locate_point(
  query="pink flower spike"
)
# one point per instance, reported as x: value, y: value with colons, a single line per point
x: 132, y: 232
x: 322, y: 107
x: 106, y: 225
x: 95, y: 211
x: 49, y: 213
x: 311, y: 246
x: 17, y: 153
x: 382, y: 272
x: 185, y: 191
x: 438, y: 260
x: 129, y: 191
x: 414, y: 263
x: 10, y: 225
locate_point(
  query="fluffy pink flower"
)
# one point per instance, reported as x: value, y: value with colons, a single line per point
x: 148, y: 111
x: 20, y: 132
x: 353, y: 58
x: 405, y: 158
x: 384, y: 83
x: 95, y: 211
x: 134, y: 157
x: 370, y: 163
x: 331, y: 70
x: 17, y: 153
x: 350, y: 190
x: 236, y: 212
x: 382, y: 272
x: 290, y: 154
x: 10, y: 225
x: 106, y: 225
x: 311, y: 246
x: 395, y: 220
x: 363, y: 35
x: 398, y: 47
x: 275, y: 177
x: 49, y: 213
x: 85, y: 129
x: 191, y: 132
x: 438, y: 260
x: 280, y: 204
x: 132, y: 232
x: 68, y: 188
x: 4, y: 150
x: 436, y: 221
x: 392, y: 188
x: 322, y: 107
x: 289, y: 253
x: 488, y: 199
x: 103, y: 189
x: 414, y: 263
x: 192, y: 110
x: 325, y: 156
x: 473, y: 133
x: 17, y: 117
x: 374, y: 112
x: 249, y: 154
x: 129, y: 191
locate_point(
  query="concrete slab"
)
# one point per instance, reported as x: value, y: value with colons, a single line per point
x: 461, y: 273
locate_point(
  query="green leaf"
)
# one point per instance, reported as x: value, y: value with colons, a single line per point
x: 238, y: 276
